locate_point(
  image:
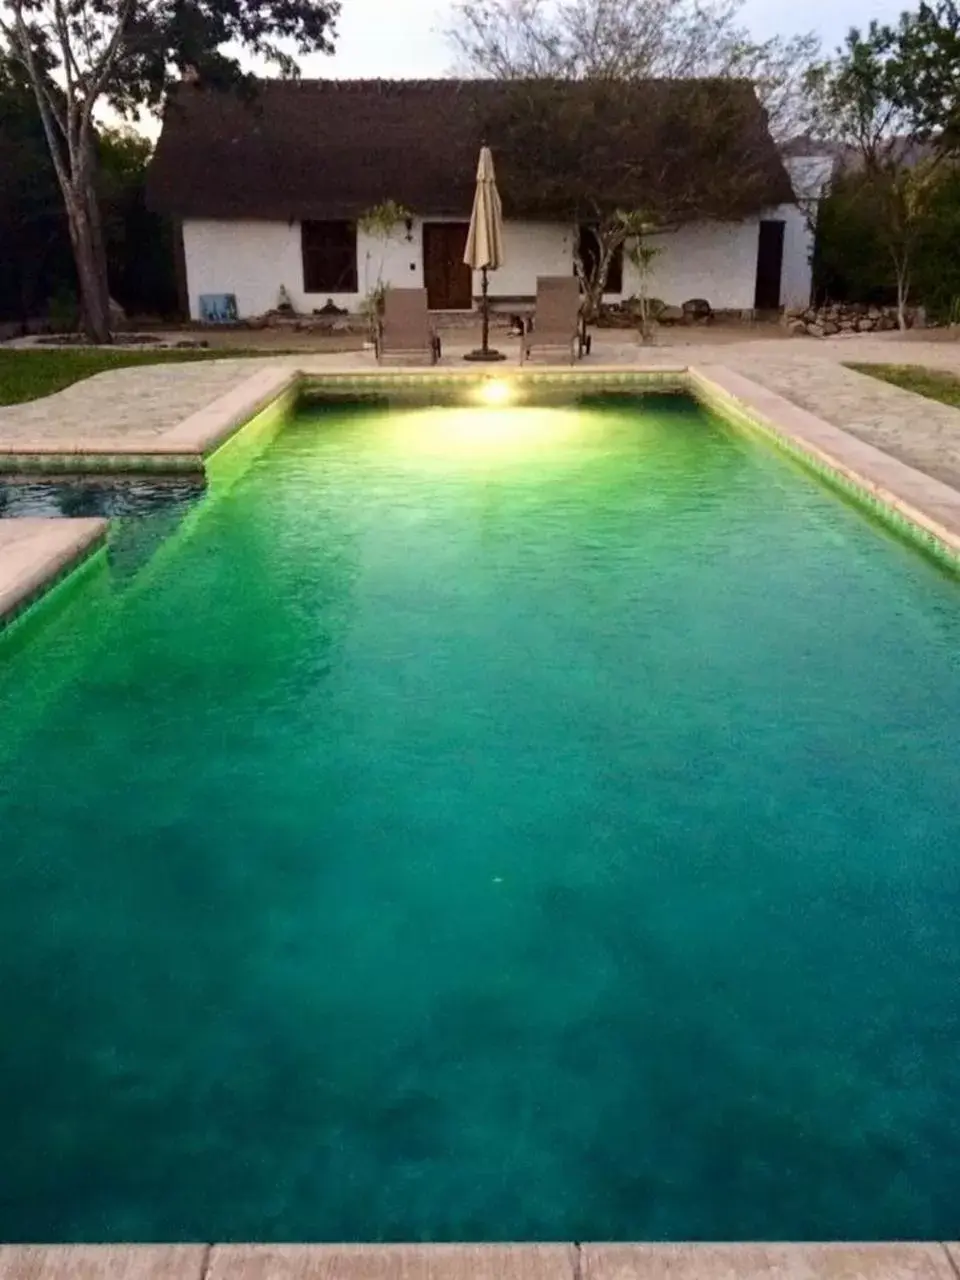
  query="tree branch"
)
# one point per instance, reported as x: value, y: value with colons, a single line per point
x: 69, y: 72
x: 100, y: 72
x: 50, y: 119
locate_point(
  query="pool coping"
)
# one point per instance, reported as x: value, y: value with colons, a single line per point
x: 183, y: 448
x: 749, y: 1261
x: 35, y: 553
x: 924, y: 509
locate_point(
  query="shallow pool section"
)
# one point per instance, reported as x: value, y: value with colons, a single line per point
x: 106, y: 496
x: 465, y: 824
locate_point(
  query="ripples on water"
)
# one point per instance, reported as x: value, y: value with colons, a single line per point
x: 100, y: 496
x: 537, y: 824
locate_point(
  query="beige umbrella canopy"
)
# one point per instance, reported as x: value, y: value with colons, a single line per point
x: 485, y: 237
x: 484, y: 251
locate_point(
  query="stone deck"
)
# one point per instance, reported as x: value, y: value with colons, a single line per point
x: 134, y: 409
x: 483, y: 1262
x: 137, y: 404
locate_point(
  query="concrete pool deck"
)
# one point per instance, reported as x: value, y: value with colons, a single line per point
x: 904, y: 1261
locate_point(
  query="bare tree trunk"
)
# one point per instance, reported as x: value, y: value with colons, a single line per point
x: 100, y: 256
x: 903, y: 293
x: 646, y: 330
x: 93, y: 292
x: 96, y: 226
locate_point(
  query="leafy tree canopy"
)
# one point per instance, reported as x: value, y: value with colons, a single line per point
x: 80, y: 54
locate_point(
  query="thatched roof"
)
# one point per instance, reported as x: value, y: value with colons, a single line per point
x: 333, y: 149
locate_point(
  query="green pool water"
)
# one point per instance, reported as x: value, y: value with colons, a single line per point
x: 531, y: 824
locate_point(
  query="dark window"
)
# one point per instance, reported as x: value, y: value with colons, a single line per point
x: 329, y: 257
x: 589, y: 255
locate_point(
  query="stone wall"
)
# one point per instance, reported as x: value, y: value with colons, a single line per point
x: 846, y: 317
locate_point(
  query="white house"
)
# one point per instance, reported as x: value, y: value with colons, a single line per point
x: 269, y: 194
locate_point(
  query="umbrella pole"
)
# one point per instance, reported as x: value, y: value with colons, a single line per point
x: 485, y: 307
x: 483, y: 352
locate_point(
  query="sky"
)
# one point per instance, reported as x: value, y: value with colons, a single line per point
x: 405, y: 39
x: 399, y: 39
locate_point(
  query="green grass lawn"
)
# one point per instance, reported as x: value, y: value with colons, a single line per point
x: 932, y: 383
x: 28, y: 375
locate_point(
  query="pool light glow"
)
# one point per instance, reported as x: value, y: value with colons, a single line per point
x: 495, y: 391
x: 476, y: 435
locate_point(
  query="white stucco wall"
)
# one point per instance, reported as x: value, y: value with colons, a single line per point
x: 530, y: 249
x: 249, y: 259
x: 796, y: 283
x: 400, y: 257
x: 716, y: 261
x: 252, y: 259
x: 712, y: 260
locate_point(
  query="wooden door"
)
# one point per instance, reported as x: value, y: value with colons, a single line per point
x: 448, y: 279
x: 769, y: 266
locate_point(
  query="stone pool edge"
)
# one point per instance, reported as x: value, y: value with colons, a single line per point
x: 36, y: 554
x: 923, y: 509
x: 835, y: 1261
x: 182, y: 449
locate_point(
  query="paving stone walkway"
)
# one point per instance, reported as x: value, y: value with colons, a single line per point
x: 920, y: 432
x: 138, y: 403
x: 143, y: 404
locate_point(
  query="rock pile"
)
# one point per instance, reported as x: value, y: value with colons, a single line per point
x: 319, y: 322
x: 845, y: 317
x: 627, y: 314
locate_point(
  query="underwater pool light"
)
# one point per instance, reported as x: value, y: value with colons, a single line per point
x: 495, y: 391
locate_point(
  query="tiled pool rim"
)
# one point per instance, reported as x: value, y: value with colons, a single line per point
x: 915, y: 505
x: 895, y: 1261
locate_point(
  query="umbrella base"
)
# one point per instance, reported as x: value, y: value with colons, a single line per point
x: 485, y: 355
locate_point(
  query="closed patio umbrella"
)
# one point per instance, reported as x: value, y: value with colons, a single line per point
x: 484, y: 251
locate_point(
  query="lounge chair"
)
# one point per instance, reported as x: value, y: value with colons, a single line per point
x: 556, y: 325
x: 405, y: 332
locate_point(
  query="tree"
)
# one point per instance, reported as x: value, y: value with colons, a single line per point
x: 35, y: 257
x: 923, y: 53
x: 138, y: 242
x: 852, y: 262
x: 81, y: 54
x: 859, y: 102
x: 611, y: 157
x: 688, y: 63
x: 643, y: 256
x: 632, y: 40
x: 380, y: 223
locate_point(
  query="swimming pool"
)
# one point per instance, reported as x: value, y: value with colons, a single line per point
x: 534, y: 824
